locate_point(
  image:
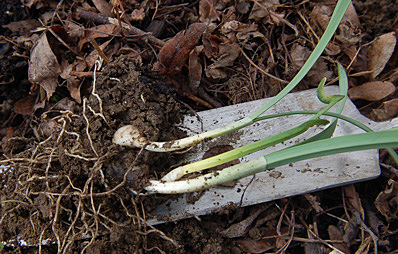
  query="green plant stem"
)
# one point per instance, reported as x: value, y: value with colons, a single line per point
x: 241, y: 151
x: 348, y: 143
x: 360, y: 125
x: 342, y: 144
x: 335, y: 20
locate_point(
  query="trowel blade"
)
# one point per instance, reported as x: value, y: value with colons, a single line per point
x: 294, y: 179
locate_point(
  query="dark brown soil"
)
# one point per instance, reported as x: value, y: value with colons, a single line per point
x: 76, y: 171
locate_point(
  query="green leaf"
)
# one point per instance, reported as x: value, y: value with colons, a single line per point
x: 338, y: 14
x: 343, y: 144
x: 343, y: 85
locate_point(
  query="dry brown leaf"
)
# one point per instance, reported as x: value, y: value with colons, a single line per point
x: 73, y: 83
x: 73, y: 29
x: 374, y: 221
x: 348, y: 29
x: 319, y: 71
x: 255, y: 246
x: 103, y: 7
x: 43, y: 66
x: 74, y: 89
x: 207, y: 10
x: 372, y: 91
x: 195, y: 69
x: 387, y: 111
x: 211, y: 45
x: 240, y: 31
x: 27, y: 41
x: 93, y: 56
x: 243, y: 6
x: 48, y: 127
x: 352, y: 227
x: 227, y: 55
x: 380, y: 52
x: 137, y: 15
x: 320, y: 16
x: 387, y: 201
x: 353, y: 199
x: 25, y: 105
x: 299, y: 55
x: 351, y: 15
x: 241, y: 228
x: 335, y: 234
x: 23, y: 27
x: 101, y: 31
x: 262, y: 11
x: 46, y: 17
x: 174, y: 54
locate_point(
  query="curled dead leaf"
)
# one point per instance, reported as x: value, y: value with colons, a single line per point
x: 349, y: 28
x: 372, y: 91
x: 256, y: 246
x: 73, y: 30
x: 352, y: 197
x: 388, y: 110
x: 387, y: 201
x: 227, y: 54
x: 25, y: 105
x: 174, y: 54
x: 336, y: 234
x: 208, y: 10
x: 243, y: 6
x: 137, y: 15
x: 103, y: 7
x: 261, y: 9
x: 48, y: 127
x: 101, y: 31
x: 93, y: 56
x: 380, y: 52
x: 23, y: 27
x: 240, y: 31
x: 241, y: 228
x: 43, y: 66
x: 299, y: 55
x: 195, y: 69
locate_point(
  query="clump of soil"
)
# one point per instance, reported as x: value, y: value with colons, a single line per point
x: 71, y: 181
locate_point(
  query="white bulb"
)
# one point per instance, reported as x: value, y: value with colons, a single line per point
x: 129, y: 135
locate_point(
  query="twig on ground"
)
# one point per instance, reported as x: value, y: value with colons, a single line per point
x: 105, y: 20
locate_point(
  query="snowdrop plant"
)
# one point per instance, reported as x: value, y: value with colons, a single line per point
x: 319, y: 145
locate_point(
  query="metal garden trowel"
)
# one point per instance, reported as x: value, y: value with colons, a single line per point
x: 294, y: 179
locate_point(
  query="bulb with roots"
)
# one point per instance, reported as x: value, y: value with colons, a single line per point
x: 129, y: 135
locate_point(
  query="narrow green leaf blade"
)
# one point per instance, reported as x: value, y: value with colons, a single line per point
x: 348, y: 143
